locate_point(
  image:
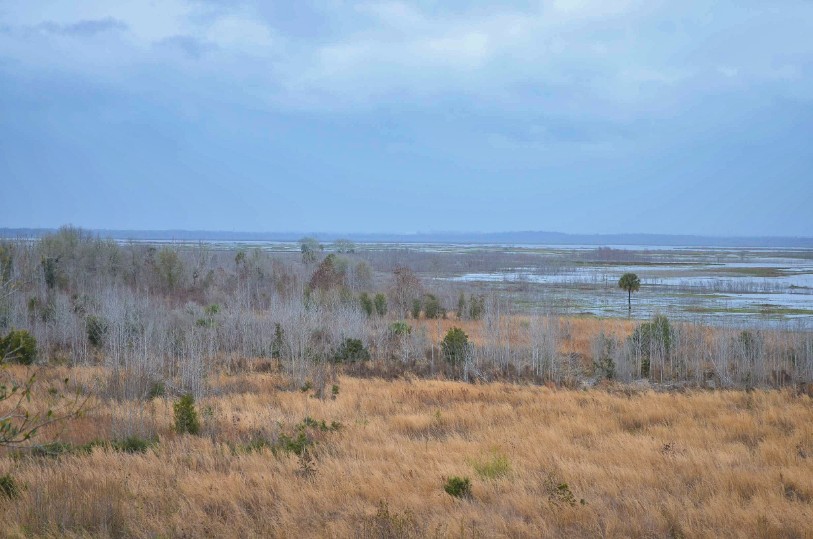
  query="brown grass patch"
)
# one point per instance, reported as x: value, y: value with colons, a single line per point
x: 695, y: 464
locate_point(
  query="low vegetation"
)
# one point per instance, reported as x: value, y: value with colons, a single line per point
x: 517, y: 460
x: 176, y: 391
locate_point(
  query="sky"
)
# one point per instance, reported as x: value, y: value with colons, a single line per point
x: 580, y: 116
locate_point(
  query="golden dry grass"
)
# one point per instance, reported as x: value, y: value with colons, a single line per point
x: 577, y: 332
x: 646, y: 464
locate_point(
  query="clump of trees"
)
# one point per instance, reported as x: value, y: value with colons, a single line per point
x: 310, y: 249
x: 471, y: 309
x: 652, y: 339
x: 351, y: 350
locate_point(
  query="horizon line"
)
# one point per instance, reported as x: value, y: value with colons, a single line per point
x: 4, y: 232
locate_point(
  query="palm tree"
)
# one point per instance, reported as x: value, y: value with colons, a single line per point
x: 630, y: 283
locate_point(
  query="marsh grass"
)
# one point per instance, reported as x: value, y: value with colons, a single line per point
x: 646, y: 464
x: 493, y: 466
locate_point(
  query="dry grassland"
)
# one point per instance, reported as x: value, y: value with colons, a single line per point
x: 577, y: 332
x: 635, y: 464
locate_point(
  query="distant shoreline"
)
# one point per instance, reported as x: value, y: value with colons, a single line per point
x: 520, y: 238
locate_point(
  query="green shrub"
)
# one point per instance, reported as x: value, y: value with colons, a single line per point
x: 9, y: 487
x: 97, y: 329
x: 400, y: 329
x: 380, y: 302
x: 562, y: 494
x: 256, y: 444
x: 455, y: 346
x: 604, y: 347
x: 51, y: 449
x: 303, y: 436
x: 366, y: 303
x: 42, y: 310
x: 432, y: 308
x: 351, y: 350
x: 50, y: 269
x: 296, y: 443
x: 459, y: 487
x: 322, y: 425
x: 477, y: 304
x: 559, y: 492
x: 208, y: 320
x: 416, y: 309
x: 18, y: 346
x: 204, y: 322
x: 461, y: 306
x: 157, y: 389
x: 133, y: 444
x: 186, y: 417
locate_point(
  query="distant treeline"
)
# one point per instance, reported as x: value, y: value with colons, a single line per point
x: 518, y: 238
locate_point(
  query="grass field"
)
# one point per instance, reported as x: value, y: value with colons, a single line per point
x: 609, y: 462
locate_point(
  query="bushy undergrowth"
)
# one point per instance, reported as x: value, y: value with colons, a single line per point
x: 459, y: 487
x: 130, y: 444
x: 19, y: 346
x: 296, y: 440
x: 559, y: 492
x: 351, y: 350
x: 9, y: 488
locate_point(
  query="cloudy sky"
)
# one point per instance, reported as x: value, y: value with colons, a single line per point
x: 580, y: 116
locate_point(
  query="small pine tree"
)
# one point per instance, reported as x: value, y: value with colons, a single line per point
x: 278, y: 342
x: 477, y: 304
x: 455, y: 346
x: 186, y: 417
x: 416, y: 309
x: 18, y: 346
x: 380, y: 304
x: 366, y: 303
x: 97, y: 328
x: 432, y: 308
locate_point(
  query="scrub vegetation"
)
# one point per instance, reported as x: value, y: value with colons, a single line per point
x: 186, y: 391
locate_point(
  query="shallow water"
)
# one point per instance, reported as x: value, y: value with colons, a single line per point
x: 719, y: 286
